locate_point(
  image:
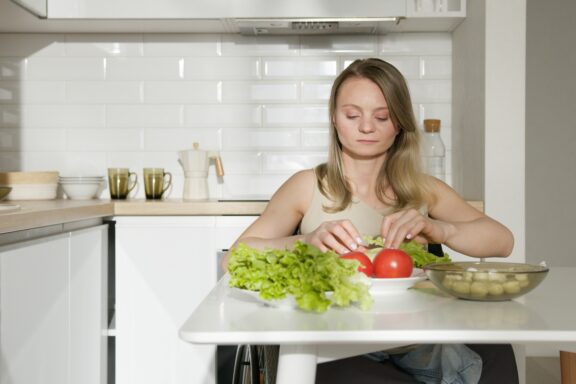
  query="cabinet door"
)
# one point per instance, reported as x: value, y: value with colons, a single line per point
x: 34, y: 328
x: 88, y: 305
x: 164, y: 267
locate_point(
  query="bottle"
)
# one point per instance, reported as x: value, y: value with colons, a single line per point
x: 433, y: 150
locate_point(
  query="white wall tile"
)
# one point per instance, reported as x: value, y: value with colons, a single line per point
x: 409, y: 66
x: 180, y: 139
x: 291, y: 162
x: 436, y: 67
x: 173, y: 92
x: 144, y: 68
x: 61, y: 116
x: 442, y: 111
x: 259, y: 139
x: 305, y: 67
x: 43, y: 139
x: 261, y: 91
x: 12, y: 161
x: 241, y: 163
x: 222, y: 116
x: 104, y: 139
x: 103, y: 45
x: 31, y: 45
x: 428, y: 91
x: 338, y: 44
x: 235, y: 186
x: 11, y: 116
x: 315, y: 138
x: 295, y: 115
x: 316, y: 91
x: 144, y: 116
x: 10, y: 139
x: 239, y: 45
x: 415, y: 44
x: 179, y: 45
x: 12, y: 68
x: 104, y: 92
x: 57, y: 161
x: 35, y: 92
x: 221, y: 68
x: 65, y: 68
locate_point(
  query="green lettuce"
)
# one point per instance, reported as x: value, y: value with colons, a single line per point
x: 304, y: 272
x: 420, y: 256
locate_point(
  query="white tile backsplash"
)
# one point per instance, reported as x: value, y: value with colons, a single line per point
x: 65, y: 68
x: 223, y: 68
x: 80, y: 103
x: 306, y: 67
x: 260, y: 92
x: 12, y: 68
x: 104, y: 92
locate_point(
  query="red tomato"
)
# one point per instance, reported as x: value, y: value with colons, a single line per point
x: 365, y: 263
x: 392, y: 263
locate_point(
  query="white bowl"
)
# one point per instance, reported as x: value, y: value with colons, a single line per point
x: 82, y: 191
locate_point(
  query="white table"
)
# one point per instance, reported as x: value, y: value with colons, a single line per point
x: 229, y: 317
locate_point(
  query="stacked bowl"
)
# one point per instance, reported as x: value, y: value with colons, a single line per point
x: 82, y: 187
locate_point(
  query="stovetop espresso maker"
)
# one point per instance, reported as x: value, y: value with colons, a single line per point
x: 195, y: 163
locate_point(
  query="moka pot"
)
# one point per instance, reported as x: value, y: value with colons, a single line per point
x: 195, y: 163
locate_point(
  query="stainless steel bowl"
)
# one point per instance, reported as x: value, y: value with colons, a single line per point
x: 486, y: 281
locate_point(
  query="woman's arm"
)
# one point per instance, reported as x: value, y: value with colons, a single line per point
x: 275, y: 227
x: 453, y: 222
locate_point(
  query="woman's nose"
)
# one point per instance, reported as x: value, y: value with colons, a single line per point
x: 366, y: 126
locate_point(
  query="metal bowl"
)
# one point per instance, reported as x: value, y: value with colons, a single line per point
x: 486, y: 281
x: 4, y: 191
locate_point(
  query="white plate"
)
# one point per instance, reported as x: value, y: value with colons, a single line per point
x: 385, y: 286
x: 287, y: 303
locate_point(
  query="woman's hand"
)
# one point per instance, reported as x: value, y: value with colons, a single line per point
x: 340, y: 236
x: 410, y: 224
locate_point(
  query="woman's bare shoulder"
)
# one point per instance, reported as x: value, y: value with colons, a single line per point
x: 297, y: 191
x: 448, y: 204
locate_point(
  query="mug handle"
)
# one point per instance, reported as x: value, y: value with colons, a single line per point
x: 133, y: 180
x: 167, y: 181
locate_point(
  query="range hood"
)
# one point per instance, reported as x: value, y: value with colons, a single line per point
x: 312, y: 26
x: 252, y: 17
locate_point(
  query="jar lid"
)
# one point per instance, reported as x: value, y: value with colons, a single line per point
x: 432, y: 125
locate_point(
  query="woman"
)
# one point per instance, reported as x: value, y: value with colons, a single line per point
x: 372, y: 183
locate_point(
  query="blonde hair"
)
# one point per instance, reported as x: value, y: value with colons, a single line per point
x: 402, y: 169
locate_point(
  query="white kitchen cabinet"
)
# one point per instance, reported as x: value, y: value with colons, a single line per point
x: 164, y: 267
x: 53, y: 305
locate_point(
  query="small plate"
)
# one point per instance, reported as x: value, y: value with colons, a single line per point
x: 385, y: 286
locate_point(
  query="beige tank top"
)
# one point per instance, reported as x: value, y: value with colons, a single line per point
x: 365, y: 218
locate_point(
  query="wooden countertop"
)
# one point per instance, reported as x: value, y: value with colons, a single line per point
x: 39, y: 213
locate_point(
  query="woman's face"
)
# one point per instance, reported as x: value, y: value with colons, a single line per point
x: 362, y: 119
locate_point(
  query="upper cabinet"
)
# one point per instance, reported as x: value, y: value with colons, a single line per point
x: 255, y: 16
